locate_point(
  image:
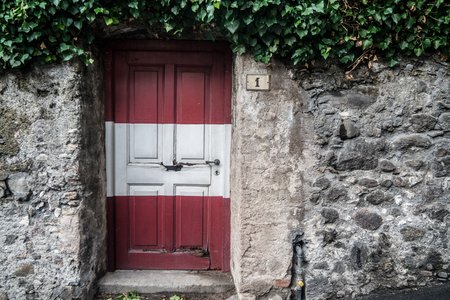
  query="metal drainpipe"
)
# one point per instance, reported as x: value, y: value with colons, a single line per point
x: 298, y: 283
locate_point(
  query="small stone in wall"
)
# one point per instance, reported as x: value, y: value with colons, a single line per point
x: 323, y: 265
x: 348, y: 130
x: 433, y: 191
x: 422, y: 122
x: 340, y: 294
x: 339, y: 267
x: 314, y: 198
x: 441, y: 163
x: 329, y: 236
x: 330, y: 215
x: 358, y: 255
x: 410, y: 233
x: 71, y: 195
x: 414, y: 164
x: 24, y: 270
x: 357, y: 154
x: 404, y: 142
x: 368, y: 182
x: 368, y: 220
x: 336, y: 193
x: 378, y: 197
x: 400, y: 182
x: 386, y: 183
x: 323, y: 183
x: 444, y: 121
x: 387, y: 166
x: 18, y: 185
x: 10, y: 239
x: 360, y: 100
x: 438, y: 214
x: 426, y: 273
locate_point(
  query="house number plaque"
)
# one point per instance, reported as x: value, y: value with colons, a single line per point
x: 258, y: 82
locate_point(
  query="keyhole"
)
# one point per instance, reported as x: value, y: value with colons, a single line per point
x: 257, y: 82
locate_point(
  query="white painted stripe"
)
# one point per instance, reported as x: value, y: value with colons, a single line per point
x: 109, y: 151
x: 134, y: 153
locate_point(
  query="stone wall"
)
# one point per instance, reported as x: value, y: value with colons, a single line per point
x: 377, y: 216
x: 267, y: 182
x: 52, y: 219
x: 360, y: 166
x: 355, y: 170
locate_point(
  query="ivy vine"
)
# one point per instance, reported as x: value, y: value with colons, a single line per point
x: 298, y: 30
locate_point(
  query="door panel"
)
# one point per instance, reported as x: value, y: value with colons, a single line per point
x: 169, y: 124
x: 144, y: 222
x: 192, y: 143
x: 145, y: 143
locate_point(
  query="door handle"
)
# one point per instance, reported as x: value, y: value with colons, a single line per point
x: 216, y: 162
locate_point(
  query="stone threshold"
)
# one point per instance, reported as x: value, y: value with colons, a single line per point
x: 159, y: 282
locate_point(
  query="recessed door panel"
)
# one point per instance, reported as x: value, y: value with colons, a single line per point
x: 144, y: 223
x: 145, y: 143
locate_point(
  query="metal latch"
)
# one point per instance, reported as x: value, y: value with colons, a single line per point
x: 177, y: 166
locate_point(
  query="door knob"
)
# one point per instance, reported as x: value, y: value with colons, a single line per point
x: 216, y: 162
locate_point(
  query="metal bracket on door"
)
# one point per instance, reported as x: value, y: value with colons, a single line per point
x: 207, y: 162
x: 177, y: 166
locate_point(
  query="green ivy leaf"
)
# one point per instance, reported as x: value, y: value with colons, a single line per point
x: 232, y: 26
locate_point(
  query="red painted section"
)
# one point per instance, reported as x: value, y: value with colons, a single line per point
x: 146, y: 239
x: 226, y: 258
x: 191, y: 222
x: 110, y: 237
x: 149, y: 86
x: 191, y: 95
x: 145, y: 91
x: 144, y: 227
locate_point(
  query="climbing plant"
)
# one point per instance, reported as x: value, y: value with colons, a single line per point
x: 298, y: 30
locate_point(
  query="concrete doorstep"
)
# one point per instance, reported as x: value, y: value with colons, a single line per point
x: 164, y: 282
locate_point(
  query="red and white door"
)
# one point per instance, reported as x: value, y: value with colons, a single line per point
x: 167, y: 144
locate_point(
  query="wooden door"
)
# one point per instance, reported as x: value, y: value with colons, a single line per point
x: 169, y: 134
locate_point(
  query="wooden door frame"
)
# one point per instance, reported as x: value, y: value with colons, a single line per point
x: 166, y: 46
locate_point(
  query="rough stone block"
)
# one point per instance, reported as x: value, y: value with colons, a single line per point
x: 368, y: 182
x: 24, y: 270
x: 323, y: 183
x: 378, y: 197
x: 336, y: 193
x: 410, y: 233
x: 18, y: 184
x: 444, y: 121
x: 367, y: 219
x: 357, y: 155
x: 408, y: 141
x: 348, y: 130
x: 330, y: 215
x: 422, y: 122
x: 386, y: 166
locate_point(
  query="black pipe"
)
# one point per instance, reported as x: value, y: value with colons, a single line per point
x: 297, y: 291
